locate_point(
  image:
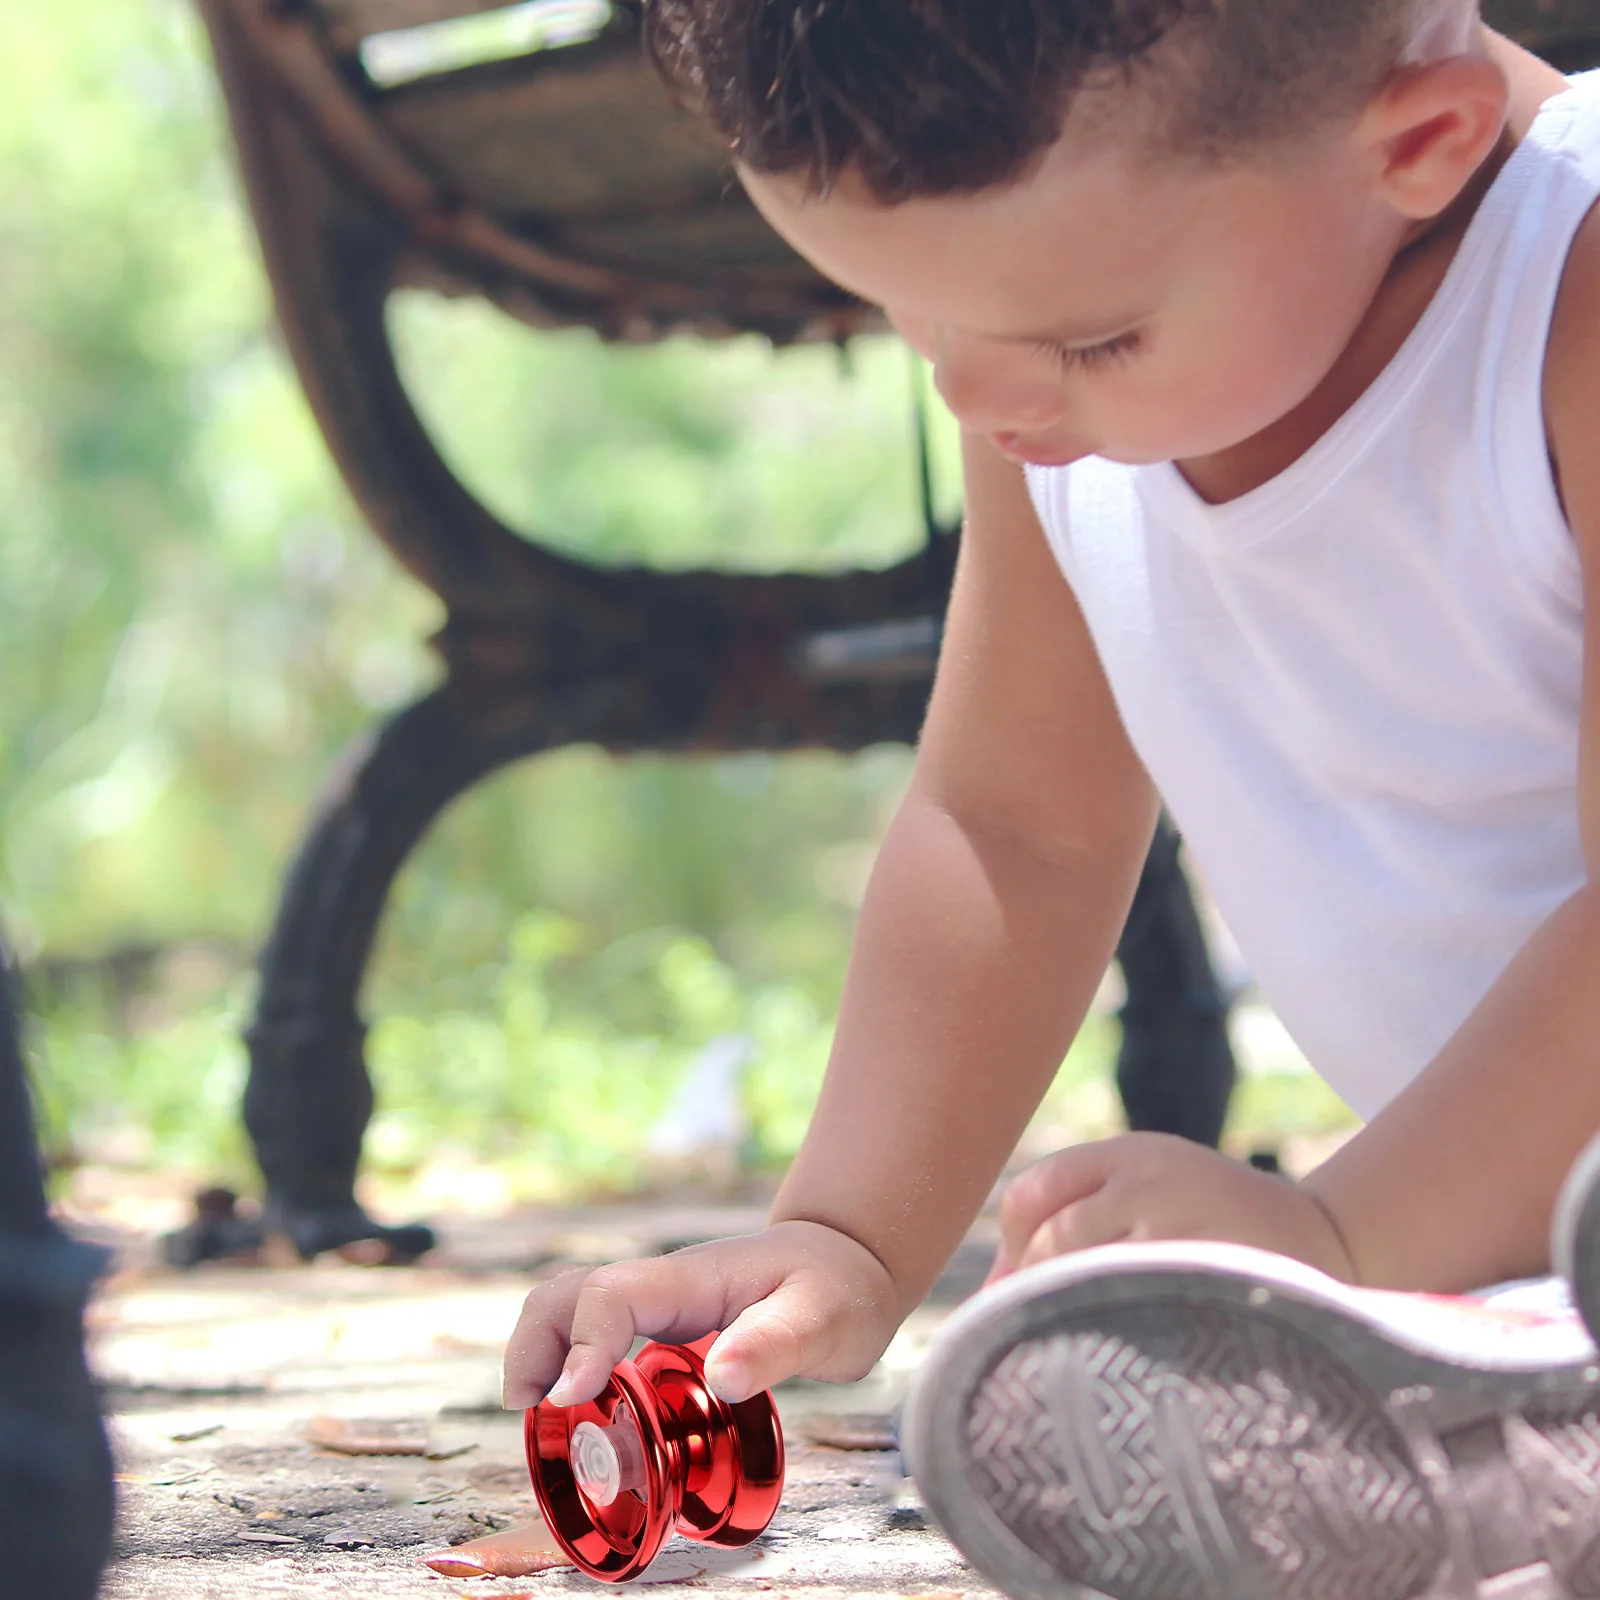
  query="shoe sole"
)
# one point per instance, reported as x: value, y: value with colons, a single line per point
x: 1575, y: 1234
x: 1197, y: 1422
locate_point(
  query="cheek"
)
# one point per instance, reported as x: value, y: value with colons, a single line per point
x: 1276, y: 296
x: 1263, y: 372
x: 1275, y: 335
x: 1308, y: 320
x: 1194, y: 398
x: 989, y: 388
x: 1233, y: 370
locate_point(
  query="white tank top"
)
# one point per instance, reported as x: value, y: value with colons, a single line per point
x: 1357, y: 687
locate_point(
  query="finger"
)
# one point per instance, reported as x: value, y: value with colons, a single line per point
x: 1090, y: 1223
x: 616, y: 1305
x: 677, y: 1298
x: 797, y: 1330
x: 580, y: 1308
x: 538, y: 1344
x: 1048, y: 1187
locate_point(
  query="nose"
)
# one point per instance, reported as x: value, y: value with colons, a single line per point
x: 995, y: 390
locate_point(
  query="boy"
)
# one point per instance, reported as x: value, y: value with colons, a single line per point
x: 1274, y: 330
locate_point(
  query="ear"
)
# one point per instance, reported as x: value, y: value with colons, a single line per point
x: 1430, y: 129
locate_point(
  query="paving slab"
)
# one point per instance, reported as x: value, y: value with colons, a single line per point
x: 215, y: 1379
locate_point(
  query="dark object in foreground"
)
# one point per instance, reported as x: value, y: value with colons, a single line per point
x: 55, y: 1468
x: 655, y: 1453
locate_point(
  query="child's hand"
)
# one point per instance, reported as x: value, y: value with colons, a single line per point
x: 799, y: 1299
x: 1150, y: 1186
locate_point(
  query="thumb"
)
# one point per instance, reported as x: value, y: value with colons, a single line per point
x: 1049, y: 1186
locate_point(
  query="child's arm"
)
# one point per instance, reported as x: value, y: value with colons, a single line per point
x: 1453, y: 1185
x: 990, y: 919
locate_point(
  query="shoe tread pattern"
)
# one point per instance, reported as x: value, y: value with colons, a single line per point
x: 1186, y: 1453
x: 1556, y: 1452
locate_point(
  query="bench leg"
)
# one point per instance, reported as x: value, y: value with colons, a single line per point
x: 55, y: 1467
x: 1175, y: 1070
x: 308, y: 1097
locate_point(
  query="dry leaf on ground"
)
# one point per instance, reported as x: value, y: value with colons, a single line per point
x: 366, y: 1438
x: 850, y: 1430
x: 516, y: 1553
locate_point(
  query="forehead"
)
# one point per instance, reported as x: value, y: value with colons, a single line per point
x: 1085, y: 235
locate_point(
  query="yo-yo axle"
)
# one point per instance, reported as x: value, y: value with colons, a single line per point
x: 608, y: 1461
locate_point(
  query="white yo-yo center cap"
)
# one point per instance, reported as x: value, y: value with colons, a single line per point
x: 606, y: 1461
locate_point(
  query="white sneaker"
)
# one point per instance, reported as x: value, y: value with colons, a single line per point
x: 1575, y: 1234
x: 1205, y: 1422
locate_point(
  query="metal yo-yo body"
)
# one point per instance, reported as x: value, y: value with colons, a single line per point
x: 655, y: 1453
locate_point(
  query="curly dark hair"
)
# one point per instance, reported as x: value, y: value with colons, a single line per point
x: 938, y: 97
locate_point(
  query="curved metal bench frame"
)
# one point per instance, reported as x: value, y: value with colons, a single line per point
x: 539, y: 651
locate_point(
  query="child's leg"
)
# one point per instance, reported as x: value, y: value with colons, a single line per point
x: 55, y: 1469
x: 1191, y: 1422
x: 1175, y: 1067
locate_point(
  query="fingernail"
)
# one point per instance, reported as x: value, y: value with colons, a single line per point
x: 561, y: 1392
x: 728, y: 1379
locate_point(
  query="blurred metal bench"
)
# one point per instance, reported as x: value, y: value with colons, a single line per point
x: 528, y: 155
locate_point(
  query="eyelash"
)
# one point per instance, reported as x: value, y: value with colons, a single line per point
x: 1089, y: 358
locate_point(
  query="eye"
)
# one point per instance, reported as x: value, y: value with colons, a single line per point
x: 1090, y: 357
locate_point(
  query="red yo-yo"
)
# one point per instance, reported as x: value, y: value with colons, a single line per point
x: 653, y: 1454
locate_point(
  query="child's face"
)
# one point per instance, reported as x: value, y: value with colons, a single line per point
x: 1109, y: 306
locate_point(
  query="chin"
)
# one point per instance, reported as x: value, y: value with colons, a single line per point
x: 1208, y: 439
x: 1134, y: 457
x: 1034, y: 453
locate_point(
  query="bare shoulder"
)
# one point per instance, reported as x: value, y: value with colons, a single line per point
x: 1572, y: 392
x: 1023, y: 733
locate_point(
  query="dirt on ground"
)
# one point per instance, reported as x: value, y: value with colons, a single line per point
x: 226, y: 1386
